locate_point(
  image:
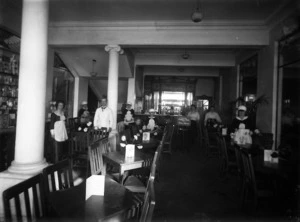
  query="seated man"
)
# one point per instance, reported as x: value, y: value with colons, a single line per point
x: 137, y: 126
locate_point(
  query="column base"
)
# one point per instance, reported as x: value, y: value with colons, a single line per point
x: 29, y: 168
x: 17, y: 173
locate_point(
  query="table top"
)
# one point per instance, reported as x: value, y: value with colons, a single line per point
x: 118, y: 157
x: 71, y: 203
x: 151, y: 144
x: 281, y: 167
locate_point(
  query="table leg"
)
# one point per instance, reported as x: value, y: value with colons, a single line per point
x: 123, y: 175
x: 104, y: 169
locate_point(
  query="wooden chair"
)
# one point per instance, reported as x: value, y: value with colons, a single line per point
x: 105, y: 144
x: 149, y: 203
x: 95, y: 157
x: 250, y: 182
x: 225, y: 164
x: 73, y: 123
x: 78, y: 143
x: 30, y: 193
x: 95, y: 135
x: 168, y: 138
x: 211, y: 143
x: 267, y: 140
x: 58, y: 176
x: 135, y: 185
x: 144, y: 204
x: 240, y: 167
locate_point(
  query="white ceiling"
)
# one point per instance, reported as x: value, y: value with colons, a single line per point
x: 154, y: 13
x: 163, y: 10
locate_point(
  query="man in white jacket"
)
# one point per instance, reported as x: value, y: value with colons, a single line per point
x: 103, y: 116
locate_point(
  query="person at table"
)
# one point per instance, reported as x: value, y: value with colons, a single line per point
x: 137, y: 126
x: 84, y: 108
x: 212, y: 117
x: 58, y: 131
x: 194, y: 117
x: 103, y: 117
x: 151, y: 121
x: 241, y: 118
x: 128, y: 115
x: 84, y: 114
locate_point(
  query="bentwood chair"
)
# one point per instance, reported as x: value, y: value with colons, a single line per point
x: 144, y: 206
x: 240, y: 167
x: 225, y: 164
x: 211, y: 143
x: 30, y: 194
x: 135, y: 185
x: 168, y: 138
x: 149, y: 203
x: 250, y: 183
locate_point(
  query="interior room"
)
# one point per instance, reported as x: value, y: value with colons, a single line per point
x: 163, y: 82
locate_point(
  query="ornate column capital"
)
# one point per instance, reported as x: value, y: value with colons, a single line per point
x: 114, y: 48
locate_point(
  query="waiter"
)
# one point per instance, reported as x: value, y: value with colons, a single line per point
x: 103, y: 116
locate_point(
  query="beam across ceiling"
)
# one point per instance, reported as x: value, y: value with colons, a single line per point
x: 156, y: 36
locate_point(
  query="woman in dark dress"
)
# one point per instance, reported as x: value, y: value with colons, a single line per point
x: 241, y: 118
x: 58, y: 131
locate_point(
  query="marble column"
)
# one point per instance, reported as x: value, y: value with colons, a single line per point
x: 29, y: 148
x: 112, y: 88
x: 113, y: 76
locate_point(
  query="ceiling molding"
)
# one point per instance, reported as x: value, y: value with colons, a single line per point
x: 164, y: 25
x: 156, y: 37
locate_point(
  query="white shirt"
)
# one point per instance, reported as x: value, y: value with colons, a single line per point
x: 212, y: 115
x: 193, y: 116
x: 103, y: 118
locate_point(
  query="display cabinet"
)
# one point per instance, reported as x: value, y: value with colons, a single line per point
x: 9, y: 75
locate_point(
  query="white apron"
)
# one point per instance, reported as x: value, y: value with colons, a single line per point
x: 60, y: 131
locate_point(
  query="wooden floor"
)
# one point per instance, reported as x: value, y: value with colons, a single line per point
x: 190, y: 189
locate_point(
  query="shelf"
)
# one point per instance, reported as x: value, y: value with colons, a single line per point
x: 9, y: 50
x: 5, y: 84
x: 10, y: 97
x: 9, y: 74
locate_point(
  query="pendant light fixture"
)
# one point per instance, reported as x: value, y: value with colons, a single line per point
x: 185, y: 55
x: 197, y: 16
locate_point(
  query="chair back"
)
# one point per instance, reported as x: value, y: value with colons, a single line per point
x: 153, y: 166
x: 249, y: 175
x: 95, y: 157
x: 95, y: 135
x: 168, y: 138
x: 149, y: 203
x: 239, y: 162
x: 58, y: 176
x: 224, y: 154
x: 105, y: 145
x: 78, y: 142
x: 73, y: 123
x: 30, y: 194
x: 267, y: 140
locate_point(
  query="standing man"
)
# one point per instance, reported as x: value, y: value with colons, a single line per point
x: 103, y: 116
